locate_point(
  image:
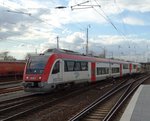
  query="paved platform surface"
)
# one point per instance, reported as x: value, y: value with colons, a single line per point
x: 139, y: 107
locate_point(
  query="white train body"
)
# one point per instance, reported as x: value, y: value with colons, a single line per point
x: 48, y: 71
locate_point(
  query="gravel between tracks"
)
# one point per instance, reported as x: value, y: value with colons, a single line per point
x: 66, y: 109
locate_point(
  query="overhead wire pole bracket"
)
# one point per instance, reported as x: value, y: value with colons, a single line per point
x: 19, y: 12
x: 83, y: 6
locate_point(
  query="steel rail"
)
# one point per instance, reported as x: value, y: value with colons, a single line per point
x: 45, y: 104
x: 96, y: 102
x: 4, y: 106
x: 124, y: 97
x: 15, y: 106
x: 10, y: 82
x: 10, y: 89
x: 7, y: 101
x: 86, y: 110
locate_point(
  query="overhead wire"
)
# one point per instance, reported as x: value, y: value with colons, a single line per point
x: 106, y: 17
x: 29, y: 14
x: 110, y: 21
x: 26, y: 13
x: 40, y: 20
x: 20, y: 12
x: 115, y: 3
x: 12, y: 10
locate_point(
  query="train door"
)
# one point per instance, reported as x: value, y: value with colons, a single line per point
x: 121, y: 69
x: 56, y: 74
x: 130, y: 68
x: 93, y: 74
x: 110, y: 70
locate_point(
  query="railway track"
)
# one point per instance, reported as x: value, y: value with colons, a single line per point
x: 9, y: 82
x: 104, y: 108
x: 56, y: 102
x: 12, y: 89
x: 6, y: 87
x: 16, y: 109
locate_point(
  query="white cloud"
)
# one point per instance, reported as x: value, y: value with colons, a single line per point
x: 109, y: 39
x: 76, y: 38
x: 3, y: 29
x: 138, y: 5
x: 45, y: 23
x: 133, y: 21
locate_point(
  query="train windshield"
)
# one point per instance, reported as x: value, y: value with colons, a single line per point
x: 36, y: 64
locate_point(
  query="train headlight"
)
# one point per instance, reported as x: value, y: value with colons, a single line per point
x: 27, y: 77
x: 40, y: 77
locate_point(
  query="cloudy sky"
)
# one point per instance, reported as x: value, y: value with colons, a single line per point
x: 120, y: 27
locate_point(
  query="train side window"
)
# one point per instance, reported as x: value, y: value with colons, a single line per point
x: 56, y: 68
x: 115, y: 70
x: 134, y: 66
x: 84, y: 66
x: 125, y: 66
x: 102, y: 70
x: 70, y: 65
x: 77, y: 66
x: 65, y: 66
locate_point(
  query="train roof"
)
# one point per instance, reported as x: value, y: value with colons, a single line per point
x: 88, y: 58
x: 48, y: 51
x: 68, y: 54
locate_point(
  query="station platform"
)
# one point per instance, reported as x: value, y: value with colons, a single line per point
x: 138, y: 108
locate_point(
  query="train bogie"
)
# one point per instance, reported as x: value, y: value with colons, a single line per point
x: 38, y: 86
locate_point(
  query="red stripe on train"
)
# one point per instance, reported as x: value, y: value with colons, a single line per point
x: 93, y: 74
x: 48, y: 67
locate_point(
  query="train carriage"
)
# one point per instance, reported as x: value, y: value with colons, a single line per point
x: 11, y: 68
x: 56, y: 68
x: 135, y: 68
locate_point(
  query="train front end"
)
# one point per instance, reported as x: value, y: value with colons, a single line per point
x: 34, y: 79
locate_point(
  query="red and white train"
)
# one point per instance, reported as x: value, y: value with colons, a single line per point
x: 57, y: 67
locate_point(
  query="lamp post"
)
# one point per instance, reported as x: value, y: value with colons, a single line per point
x: 119, y: 51
x: 87, y: 39
x: 57, y: 42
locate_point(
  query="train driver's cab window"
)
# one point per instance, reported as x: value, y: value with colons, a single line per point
x: 56, y: 68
